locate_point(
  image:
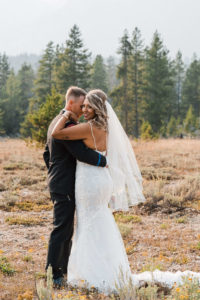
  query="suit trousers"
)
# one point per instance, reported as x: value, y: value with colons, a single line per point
x: 60, y: 241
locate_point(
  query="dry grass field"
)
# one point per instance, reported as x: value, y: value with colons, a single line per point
x: 163, y: 233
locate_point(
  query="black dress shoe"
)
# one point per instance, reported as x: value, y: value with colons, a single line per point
x: 58, y: 283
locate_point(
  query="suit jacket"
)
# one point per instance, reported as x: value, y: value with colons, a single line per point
x: 60, y: 157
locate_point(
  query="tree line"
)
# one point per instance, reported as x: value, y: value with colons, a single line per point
x: 153, y: 95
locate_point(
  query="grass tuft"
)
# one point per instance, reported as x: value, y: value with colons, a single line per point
x: 26, y: 221
x: 125, y: 229
x: 181, y: 220
x: 16, y: 166
x: 127, y: 218
x: 5, y: 266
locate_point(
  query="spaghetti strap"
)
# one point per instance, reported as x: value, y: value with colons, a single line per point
x: 106, y: 144
x: 93, y: 136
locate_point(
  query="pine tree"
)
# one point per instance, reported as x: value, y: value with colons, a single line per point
x: 172, y: 128
x: 98, y: 75
x: 122, y: 73
x: 190, y: 121
x: 57, y: 59
x: 197, y: 126
x: 13, y: 89
x: 74, y: 68
x: 44, y: 80
x: 179, y: 76
x: 116, y: 96
x: 111, y: 70
x: 158, y: 85
x: 2, y: 131
x: 11, y: 109
x: 41, y: 119
x: 26, y: 82
x: 146, y: 131
x: 4, y: 73
x: 42, y: 87
x: 135, y: 77
x: 27, y: 124
x: 191, y: 88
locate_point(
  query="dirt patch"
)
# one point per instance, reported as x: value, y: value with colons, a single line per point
x: 162, y: 233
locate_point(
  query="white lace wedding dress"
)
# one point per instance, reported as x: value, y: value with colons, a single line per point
x: 98, y: 251
x: 98, y: 254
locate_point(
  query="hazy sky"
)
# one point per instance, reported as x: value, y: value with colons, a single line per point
x: 28, y: 25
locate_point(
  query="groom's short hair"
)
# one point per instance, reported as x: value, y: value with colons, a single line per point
x: 75, y: 91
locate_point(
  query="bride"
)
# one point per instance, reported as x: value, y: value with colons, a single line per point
x: 98, y: 255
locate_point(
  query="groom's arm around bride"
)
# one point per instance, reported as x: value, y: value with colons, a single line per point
x: 60, y: 158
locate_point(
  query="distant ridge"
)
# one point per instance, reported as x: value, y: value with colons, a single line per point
x: 17, y: 61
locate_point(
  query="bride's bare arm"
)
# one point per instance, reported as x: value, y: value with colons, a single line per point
x: 77, y: 132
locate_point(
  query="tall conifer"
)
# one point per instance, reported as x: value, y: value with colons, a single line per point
x: 135, y: 79
x: 44, y: 79
x: 158, y: 86
x: 179, y: 76
x: 99, y: 75
x: 191, y: 88
x: 74, y: 68
x: 124, y: 51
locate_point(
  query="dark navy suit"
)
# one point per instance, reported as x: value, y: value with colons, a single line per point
x: 60, y: 157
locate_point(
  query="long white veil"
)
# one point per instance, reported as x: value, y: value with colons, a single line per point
x: 124, y: 170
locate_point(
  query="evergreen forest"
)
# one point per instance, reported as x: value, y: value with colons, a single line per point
x: 153, y: 94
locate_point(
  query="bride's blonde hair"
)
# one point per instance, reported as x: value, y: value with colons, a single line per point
x: 97, y: 99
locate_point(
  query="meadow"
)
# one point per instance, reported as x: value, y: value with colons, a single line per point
x: 163, y: 233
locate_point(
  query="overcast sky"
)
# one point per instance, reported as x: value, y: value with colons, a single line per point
x: 28, y: 25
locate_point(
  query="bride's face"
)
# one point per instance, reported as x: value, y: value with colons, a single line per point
x: 88, y: 111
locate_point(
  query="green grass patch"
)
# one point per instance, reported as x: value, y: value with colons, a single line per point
x: 164, y: 226
x: 27, y: 258
x: 198, y: 246
x: 152, y: 265
x: 125, y: 229
x: 32, y: 206
x: 26, y: 221
x: 28, y: 180
x: 17, y: 166
x: 124, y: 218
x: 181, y: 220
x: 5, y: 266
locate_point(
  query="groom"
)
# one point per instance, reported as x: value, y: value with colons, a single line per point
x: 60, y: 158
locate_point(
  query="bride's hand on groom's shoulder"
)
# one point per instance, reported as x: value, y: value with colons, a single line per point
x: 71, y: 116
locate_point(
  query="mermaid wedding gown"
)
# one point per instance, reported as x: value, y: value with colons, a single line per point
x: 98, y: 255
x: 98, y: 252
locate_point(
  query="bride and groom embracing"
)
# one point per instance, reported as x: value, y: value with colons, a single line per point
x: 92, y: 168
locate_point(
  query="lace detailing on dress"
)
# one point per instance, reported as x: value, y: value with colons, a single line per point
x: 98, y: 252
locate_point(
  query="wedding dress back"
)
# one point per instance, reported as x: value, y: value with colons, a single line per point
x: 98, y: 254
x: 97, y: 250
